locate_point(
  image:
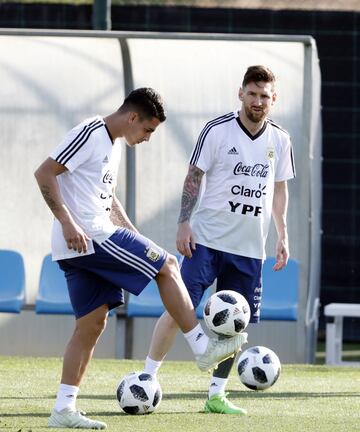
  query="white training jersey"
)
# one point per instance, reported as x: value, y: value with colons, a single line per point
x: 235, y: 202
x: 92, y: 161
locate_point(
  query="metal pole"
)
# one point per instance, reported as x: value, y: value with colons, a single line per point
x: 130, y: 152
x: 130, y: 199
x: 101, y: 15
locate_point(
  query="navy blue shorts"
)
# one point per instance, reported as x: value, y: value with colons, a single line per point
x: 233, y: 272
x: 126, y: 260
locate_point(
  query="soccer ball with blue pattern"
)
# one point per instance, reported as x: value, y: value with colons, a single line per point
x: 258, y: 368
x: 139, y: 393
x: 227, y: 313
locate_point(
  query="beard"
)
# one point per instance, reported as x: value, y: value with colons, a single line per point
x: 255, y: 116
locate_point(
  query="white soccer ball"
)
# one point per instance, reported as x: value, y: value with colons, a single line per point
x: 139, y: 393
x: 227, y: 313
x: 258, y: 368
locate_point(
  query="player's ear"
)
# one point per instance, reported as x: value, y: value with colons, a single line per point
x: 132, y: 116
x: 273, y: 98
x: 241, y: 94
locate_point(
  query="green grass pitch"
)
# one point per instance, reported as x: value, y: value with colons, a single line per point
x: 305, y: 398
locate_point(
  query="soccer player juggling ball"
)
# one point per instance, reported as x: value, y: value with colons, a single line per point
x: 100, y: 250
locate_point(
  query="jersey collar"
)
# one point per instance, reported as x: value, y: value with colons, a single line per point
x: 110, y: 136
x: 252, y: 137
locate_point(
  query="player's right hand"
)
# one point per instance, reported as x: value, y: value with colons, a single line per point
x: 75, y: 237
x: 185, y: 241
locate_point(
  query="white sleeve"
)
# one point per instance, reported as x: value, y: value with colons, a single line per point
x: 285, y: 169
x: 205, y: 149
x: 76, y: 147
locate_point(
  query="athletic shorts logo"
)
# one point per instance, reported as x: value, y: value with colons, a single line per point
x: 153, y: 254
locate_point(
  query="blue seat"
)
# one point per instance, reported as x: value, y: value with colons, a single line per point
x: 279, y: 298
x: 149, y: 303
x: 280, y: 291
x: 53, y: 296
x: 12, y: 281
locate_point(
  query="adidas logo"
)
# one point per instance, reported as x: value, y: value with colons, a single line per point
x: 106, y: 159
x: 199, y: 336
x: 233, y: 151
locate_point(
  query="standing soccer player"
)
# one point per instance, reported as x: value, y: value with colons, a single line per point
x: 101, y: 252
x: 246, y: 160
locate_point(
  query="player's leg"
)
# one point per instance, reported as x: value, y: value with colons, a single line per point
x: 207, y: 351
x: 217, y: 401
x: 244, y: 276
x: 162, y: 339
x: 175, y: 296
x: 77, y: 356
x: 90, y: 296
x: 198, y: 273
x: 80, y: 348
x: 136, y: 260
x: 166, y: 327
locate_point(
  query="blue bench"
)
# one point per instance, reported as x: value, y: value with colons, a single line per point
x: 279, y: 298
x: 53, y: 296
x: 149, y: 303
x: 280, y: 291
x: 12, y: 281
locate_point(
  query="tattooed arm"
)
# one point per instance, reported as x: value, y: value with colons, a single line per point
x: 118, y: 215
x: 185, y: 241
x: 46, y: 177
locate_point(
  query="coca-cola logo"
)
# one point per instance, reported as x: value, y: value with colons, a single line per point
x: 257, y: 170
x: 108, y: 177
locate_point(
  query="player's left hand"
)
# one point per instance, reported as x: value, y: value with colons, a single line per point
x: 185, y: 242
x: 282, y: 254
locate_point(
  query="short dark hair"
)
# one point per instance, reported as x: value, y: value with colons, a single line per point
x: 146, y: 102
x: 258, y: 73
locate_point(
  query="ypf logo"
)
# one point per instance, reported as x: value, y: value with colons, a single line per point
x: 245, y: 209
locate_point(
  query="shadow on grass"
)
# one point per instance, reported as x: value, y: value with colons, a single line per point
x: 42, y: 415
x: 292, y: 395
x: 265, y: 395
x: 100, y: 414
x: 233, y: 393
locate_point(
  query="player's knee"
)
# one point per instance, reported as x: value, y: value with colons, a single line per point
x: 93, y: 327
x: 97, y: 329
x: 170, y: 267
x: 100, y: 324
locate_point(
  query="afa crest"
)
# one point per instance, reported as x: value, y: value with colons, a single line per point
x: 152, y: 254
x: 270, y: 153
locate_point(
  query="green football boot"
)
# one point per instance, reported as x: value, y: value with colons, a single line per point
x: 219, y: 404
